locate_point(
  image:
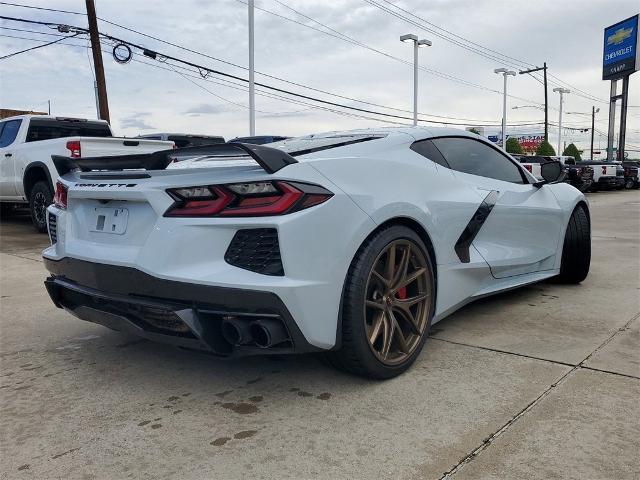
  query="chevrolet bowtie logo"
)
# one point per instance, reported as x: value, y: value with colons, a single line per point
x: 619, y: 36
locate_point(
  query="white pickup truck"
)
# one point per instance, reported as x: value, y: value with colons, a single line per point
x: 27, y: 173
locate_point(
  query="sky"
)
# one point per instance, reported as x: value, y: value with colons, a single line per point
x: 349, y: 48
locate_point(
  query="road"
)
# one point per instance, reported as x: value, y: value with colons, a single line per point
x: 539, y: 383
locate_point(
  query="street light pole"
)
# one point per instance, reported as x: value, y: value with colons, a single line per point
x: 561, y: 91
x: 505, y: 73
x: 594, y: 110
x: 252, y: 94
x: 416, y: 44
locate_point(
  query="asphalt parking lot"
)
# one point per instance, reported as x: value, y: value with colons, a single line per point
x: 542, y: 382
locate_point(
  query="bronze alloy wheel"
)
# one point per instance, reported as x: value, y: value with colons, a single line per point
x: 397, y: 301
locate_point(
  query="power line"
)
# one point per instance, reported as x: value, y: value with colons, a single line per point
x: 36, y: 47
x: 235, y: 77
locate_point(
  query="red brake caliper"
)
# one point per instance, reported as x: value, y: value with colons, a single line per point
x: 402, y: 293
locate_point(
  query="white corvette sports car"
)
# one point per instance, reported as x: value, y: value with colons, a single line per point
x: 352, y: 243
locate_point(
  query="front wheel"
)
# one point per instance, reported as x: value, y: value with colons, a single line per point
x: 39, y: 199
x: 388, y: 304
x: 576, y: 251
x: 629, y: 183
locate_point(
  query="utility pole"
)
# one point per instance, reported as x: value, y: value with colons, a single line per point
x: 252, y: 94
x: 594, y: 110
x: 546, y: 99
x: 561, y: 91
x: 505, y: 73
x: 411, y: 38
x: 101, y: 85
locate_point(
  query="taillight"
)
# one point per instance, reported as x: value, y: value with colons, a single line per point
x: 528, y: 167
x: 60, y: 198
x: 253, y: 199
x: 74, y: 147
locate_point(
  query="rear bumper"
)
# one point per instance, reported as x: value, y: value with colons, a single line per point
x: 179, y: 313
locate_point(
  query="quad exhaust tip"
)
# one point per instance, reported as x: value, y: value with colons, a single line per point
x: 264, y: 333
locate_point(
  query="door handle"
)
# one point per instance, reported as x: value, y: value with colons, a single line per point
x: 8, y: 154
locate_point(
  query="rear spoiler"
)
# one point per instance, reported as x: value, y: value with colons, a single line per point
x: 270, y: 159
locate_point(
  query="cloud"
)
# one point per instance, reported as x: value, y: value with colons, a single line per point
x: 204, y: 109
x: 136, y: 121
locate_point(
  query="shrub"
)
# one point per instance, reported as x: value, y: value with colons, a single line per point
x: 513, y: 146
x: 545, y: 149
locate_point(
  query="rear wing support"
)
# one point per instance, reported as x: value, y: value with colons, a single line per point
x: 270, y: 159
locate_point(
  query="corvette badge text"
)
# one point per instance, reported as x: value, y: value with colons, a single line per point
x: 103, y: 185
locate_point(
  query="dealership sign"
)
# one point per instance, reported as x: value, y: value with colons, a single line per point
x: 621, y: 56
x: 528, y: 142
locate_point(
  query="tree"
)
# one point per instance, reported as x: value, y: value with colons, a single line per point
x: 572, y: 151
x: 513, y: 146
x: 545, y: 149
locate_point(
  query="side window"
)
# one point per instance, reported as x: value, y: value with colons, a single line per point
x: 9, y: 132
x: 476, y: 158
x: 427, y: 149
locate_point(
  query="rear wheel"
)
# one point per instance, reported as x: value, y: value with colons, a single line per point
x: 576, y: 251
x: 39, y: 199
x: 629, y: 183
x: 387, y: 306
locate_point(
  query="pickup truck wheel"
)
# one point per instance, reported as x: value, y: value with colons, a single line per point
x: 39, y: 199
x: 576, y: 251
x: 629, y: 184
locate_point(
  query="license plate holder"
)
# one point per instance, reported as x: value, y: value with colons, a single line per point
x: 109, y: 220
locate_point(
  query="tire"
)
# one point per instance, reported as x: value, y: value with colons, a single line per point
x: 629, y: 184
x: 401, y: 328
x: 576, y: 251
x: 40, y: 198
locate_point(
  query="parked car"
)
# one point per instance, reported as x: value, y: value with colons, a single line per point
x: 349, y: 243
x: 260, y: 139
x: 27, y: 174
x: 631, y: 175
x: 184, y: 139
x: 605, y: 174
x: 580, y: 177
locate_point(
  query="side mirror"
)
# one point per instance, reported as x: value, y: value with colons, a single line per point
x: 551, y: 172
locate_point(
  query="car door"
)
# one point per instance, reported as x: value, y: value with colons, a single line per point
x: 8, y: 133
x: 518, y: 230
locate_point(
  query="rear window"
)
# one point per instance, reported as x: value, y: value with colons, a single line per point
x: 182, y: 141
x: 49, y: 129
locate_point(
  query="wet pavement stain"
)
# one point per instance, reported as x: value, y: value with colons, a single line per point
x: 155, y: 426
x: 26, y: 466
x: 245, y: 434
x: 302, y: 393
x: 256, y: 398
x: 65, y: 453
x: 218, y: 442
x: 241, y: 408
x: 157, y: 419
x: 294, y: 389
x: 143, y: 423
x: 173, y: 399
x: 186, y: 394
x: 324, y: 396
x: 255, y: 380
x: 176, y: 411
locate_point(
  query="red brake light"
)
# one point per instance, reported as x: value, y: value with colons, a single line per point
x: 74, y: 147
x: 245, y: 199
x: 60, y: 198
